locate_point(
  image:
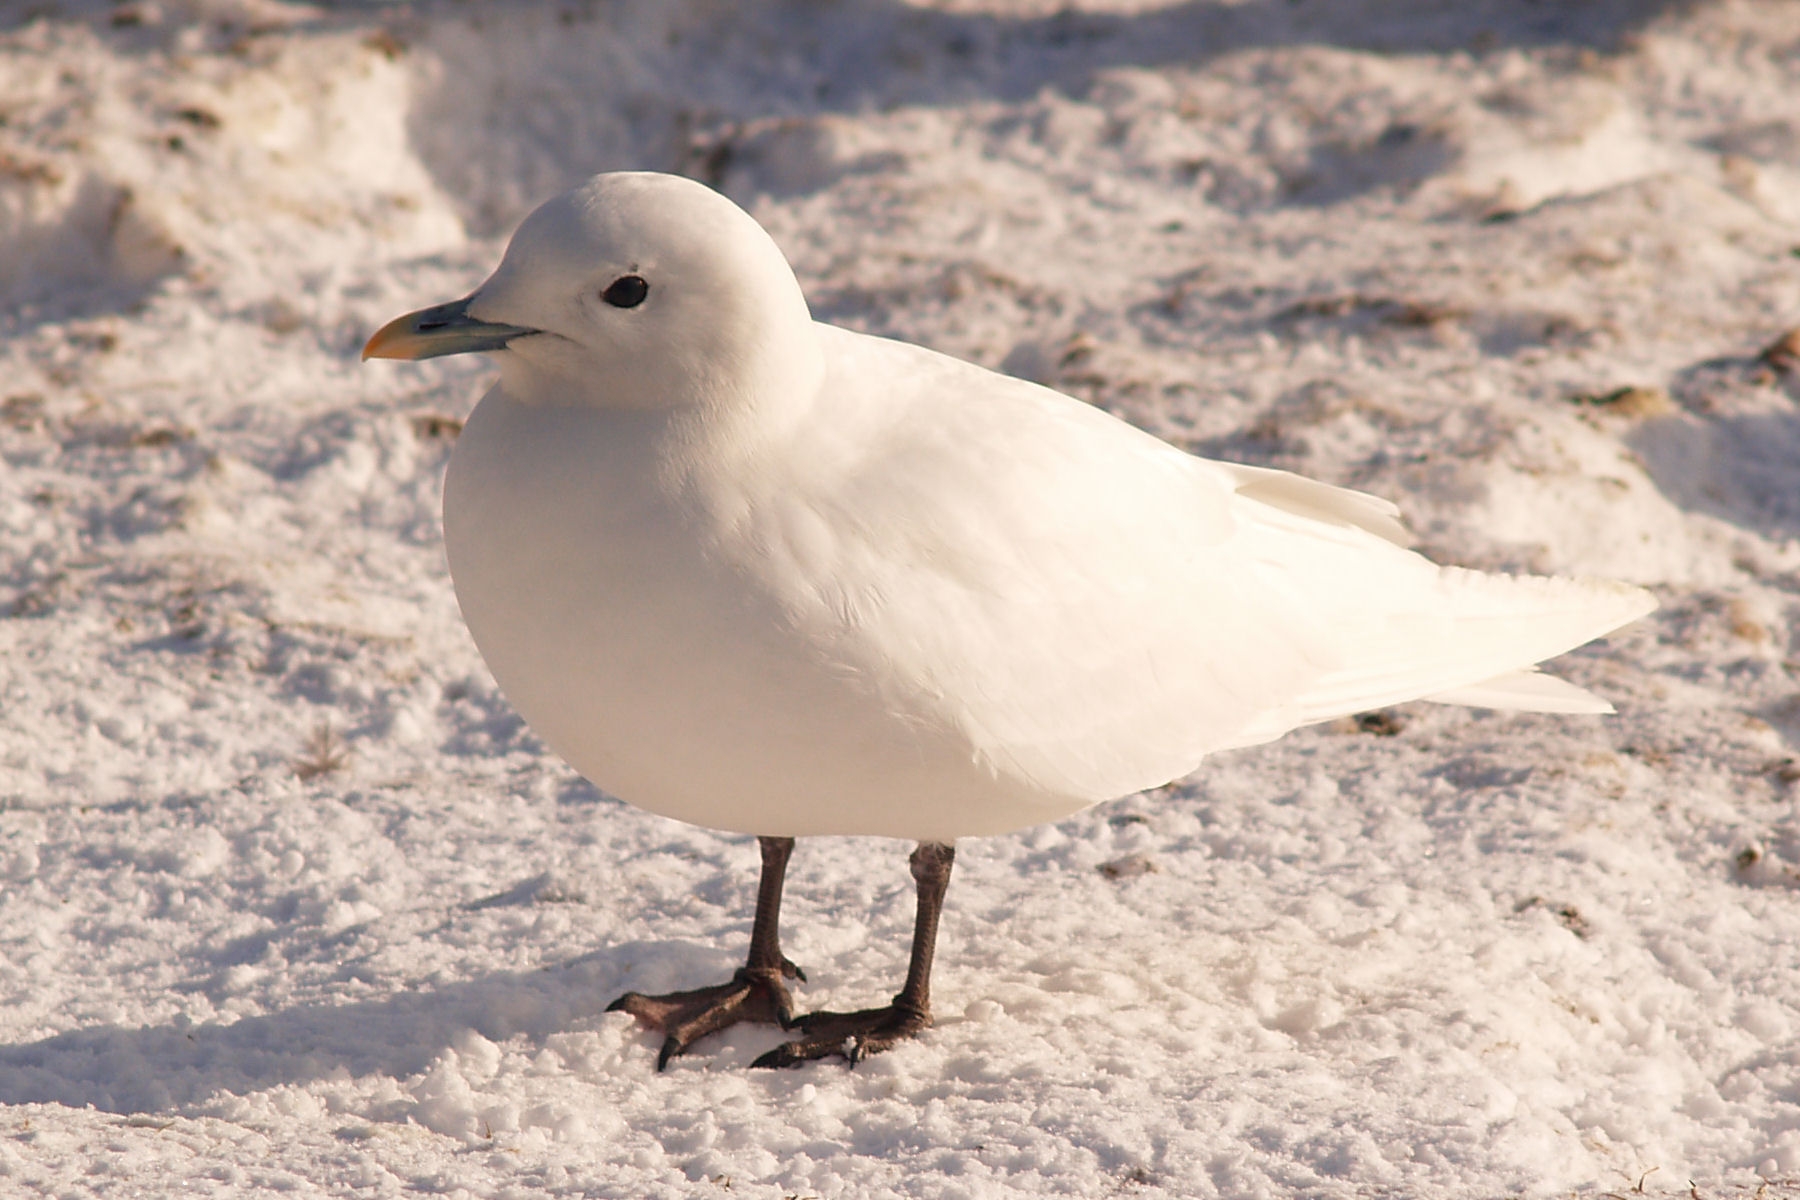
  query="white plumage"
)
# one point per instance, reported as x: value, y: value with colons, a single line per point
x: 873, y: 589
x: 769, y: 575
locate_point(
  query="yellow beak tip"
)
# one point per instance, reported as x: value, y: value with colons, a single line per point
x: 391, y: 340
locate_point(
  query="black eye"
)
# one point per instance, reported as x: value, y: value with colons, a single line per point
x: 627, y: 291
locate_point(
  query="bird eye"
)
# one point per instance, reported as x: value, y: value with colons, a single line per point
x: 627, y: 291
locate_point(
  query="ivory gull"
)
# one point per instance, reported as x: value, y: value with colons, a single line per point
x: 768, y: 575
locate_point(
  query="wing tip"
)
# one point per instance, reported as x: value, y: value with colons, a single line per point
x: 1527, y: 691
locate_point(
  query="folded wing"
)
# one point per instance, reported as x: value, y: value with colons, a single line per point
x: 1097, y: 611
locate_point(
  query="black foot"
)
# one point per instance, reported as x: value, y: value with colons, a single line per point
x: 754, y: 994
x: 854, y: 1035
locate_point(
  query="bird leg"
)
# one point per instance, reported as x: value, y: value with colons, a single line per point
x: 856, y: 1035
x: 757, y: 992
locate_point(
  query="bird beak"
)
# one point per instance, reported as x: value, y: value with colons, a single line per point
x: 445, y: 329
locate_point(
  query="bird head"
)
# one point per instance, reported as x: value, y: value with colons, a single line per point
x: 635, y: 290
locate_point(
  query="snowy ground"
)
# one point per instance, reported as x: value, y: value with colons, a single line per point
x: 292, y: 902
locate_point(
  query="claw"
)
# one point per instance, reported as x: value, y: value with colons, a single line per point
x: 798, y: 1054
x: 776, y: 1058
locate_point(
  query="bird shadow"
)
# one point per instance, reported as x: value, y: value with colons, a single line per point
x: 168, y: 1067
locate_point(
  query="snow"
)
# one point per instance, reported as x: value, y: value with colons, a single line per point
x: 294, y: 903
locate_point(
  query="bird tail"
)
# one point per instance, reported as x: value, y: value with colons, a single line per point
x: 1478, y: 643
x: 1528, y: 691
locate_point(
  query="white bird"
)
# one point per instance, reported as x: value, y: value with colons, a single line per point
x: 767, y: 575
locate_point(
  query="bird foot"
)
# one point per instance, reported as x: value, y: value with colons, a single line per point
x: 756, y: 994
x: 854, y: 1035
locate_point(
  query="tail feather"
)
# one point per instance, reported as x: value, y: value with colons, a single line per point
x: 1528, y: 691
x: 1478, y: 645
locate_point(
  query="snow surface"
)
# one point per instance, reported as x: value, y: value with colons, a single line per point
x: 293, y: 902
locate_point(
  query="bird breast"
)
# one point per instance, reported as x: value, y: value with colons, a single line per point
x: 679, y: 644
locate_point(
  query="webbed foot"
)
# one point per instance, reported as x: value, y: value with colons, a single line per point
x: 854, y: 1035
x: 756, y: 994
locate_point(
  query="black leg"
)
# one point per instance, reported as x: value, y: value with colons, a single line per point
x: 856, y: 1035
x: 757, y: 992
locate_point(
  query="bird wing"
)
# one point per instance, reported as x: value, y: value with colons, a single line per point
x: 1317, y: 501
x: 1094, y: 610
x: 1531, y: 690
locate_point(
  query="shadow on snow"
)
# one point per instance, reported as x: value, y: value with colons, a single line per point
x: 168, y: 1068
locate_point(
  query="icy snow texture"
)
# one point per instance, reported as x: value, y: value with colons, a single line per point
x: 293, y: 903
